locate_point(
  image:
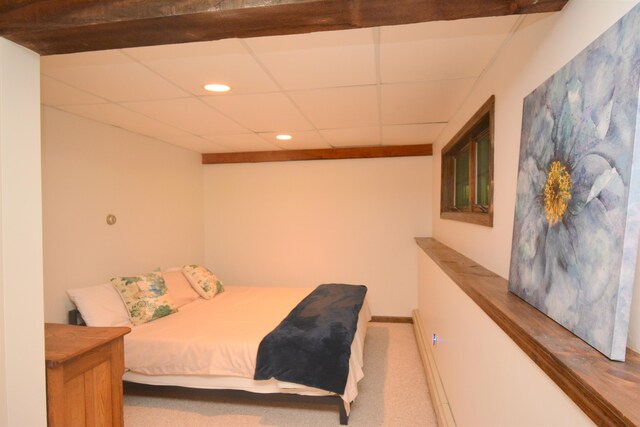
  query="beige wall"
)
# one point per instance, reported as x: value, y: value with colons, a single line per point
x: 311, y: 222
x: 542, y: 45
x: 22, y: 379
x: 91, y: 170
x: 487, y: 379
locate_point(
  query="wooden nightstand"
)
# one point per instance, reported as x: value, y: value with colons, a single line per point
x: 84, y: 375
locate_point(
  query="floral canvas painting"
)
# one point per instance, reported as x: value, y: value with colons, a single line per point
x: 577, y: 214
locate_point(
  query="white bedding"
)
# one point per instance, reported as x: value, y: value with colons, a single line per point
x: 214, y: 343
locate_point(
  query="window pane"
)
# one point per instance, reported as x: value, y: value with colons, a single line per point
x: 482, y: 169
x: 467, y: 170
x: 461, y: 183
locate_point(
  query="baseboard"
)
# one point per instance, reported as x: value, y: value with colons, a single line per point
x: 436, y: 389
x: 391, y: 319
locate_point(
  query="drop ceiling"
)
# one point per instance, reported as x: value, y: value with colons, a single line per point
x: 380, y: 86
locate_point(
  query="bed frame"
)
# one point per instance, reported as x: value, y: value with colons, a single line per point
x: 130, y: 388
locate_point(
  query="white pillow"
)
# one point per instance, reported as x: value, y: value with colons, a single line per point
x: 100, y: 305
x: 179, y: 287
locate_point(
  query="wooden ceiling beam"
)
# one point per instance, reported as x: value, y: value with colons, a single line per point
x: 65, y: 26
x: 319, y: 154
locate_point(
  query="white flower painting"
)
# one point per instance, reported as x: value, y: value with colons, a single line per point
x: 577, y: 215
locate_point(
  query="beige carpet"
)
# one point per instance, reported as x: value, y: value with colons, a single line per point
x: 393, y: 393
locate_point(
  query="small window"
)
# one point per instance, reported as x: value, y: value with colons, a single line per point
x: 467, y: 171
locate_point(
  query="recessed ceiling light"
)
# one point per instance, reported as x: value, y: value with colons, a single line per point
x: 217, y: 87
x: 284, y: 137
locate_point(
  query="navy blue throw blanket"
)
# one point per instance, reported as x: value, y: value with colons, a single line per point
x: 312, y: 345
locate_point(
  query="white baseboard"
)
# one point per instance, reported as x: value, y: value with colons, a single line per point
x: 436, y: 389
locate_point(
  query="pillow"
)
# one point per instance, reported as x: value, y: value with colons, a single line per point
x: 203, y: 281
x: 145, y: 297
x: 179, y: 287
x: 100, y: 305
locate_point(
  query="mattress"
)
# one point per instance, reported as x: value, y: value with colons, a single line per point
x: 214, y: 343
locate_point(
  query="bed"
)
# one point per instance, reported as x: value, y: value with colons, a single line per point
x: 214, y: 343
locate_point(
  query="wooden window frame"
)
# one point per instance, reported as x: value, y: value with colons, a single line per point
x: 474, y: 214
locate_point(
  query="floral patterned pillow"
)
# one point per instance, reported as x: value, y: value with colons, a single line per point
x: 203, y: 281
x: 145, y: 297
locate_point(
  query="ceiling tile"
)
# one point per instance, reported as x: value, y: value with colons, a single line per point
x: 352, y: 137
x: 306, y: 140
x: 195, y: 143
x: 321, y: 59
x: 430, y: 102
x: 53, y: 92
x: 188, y: 114
x: 343, y: 107
x: 116, y: 115
x: 193, y: 65
x: 411, y: 134
x: 261, y: 112
x: 83, y: 59
x: 109, y: 74
x: 441, y: 50
x: 333, y: 96
x: 243, y: 142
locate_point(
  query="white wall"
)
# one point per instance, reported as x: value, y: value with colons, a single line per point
x: 91, y: 170
x: 489, y: 381
x: 311, y: 222
x: 22, y: 378
x: 542, y: 45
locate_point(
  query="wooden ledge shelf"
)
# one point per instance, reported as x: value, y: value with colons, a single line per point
x: 608, y: 392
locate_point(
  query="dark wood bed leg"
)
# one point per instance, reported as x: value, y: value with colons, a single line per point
x: 344, y: 418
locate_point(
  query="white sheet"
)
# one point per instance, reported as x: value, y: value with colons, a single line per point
x: 214, y: 343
